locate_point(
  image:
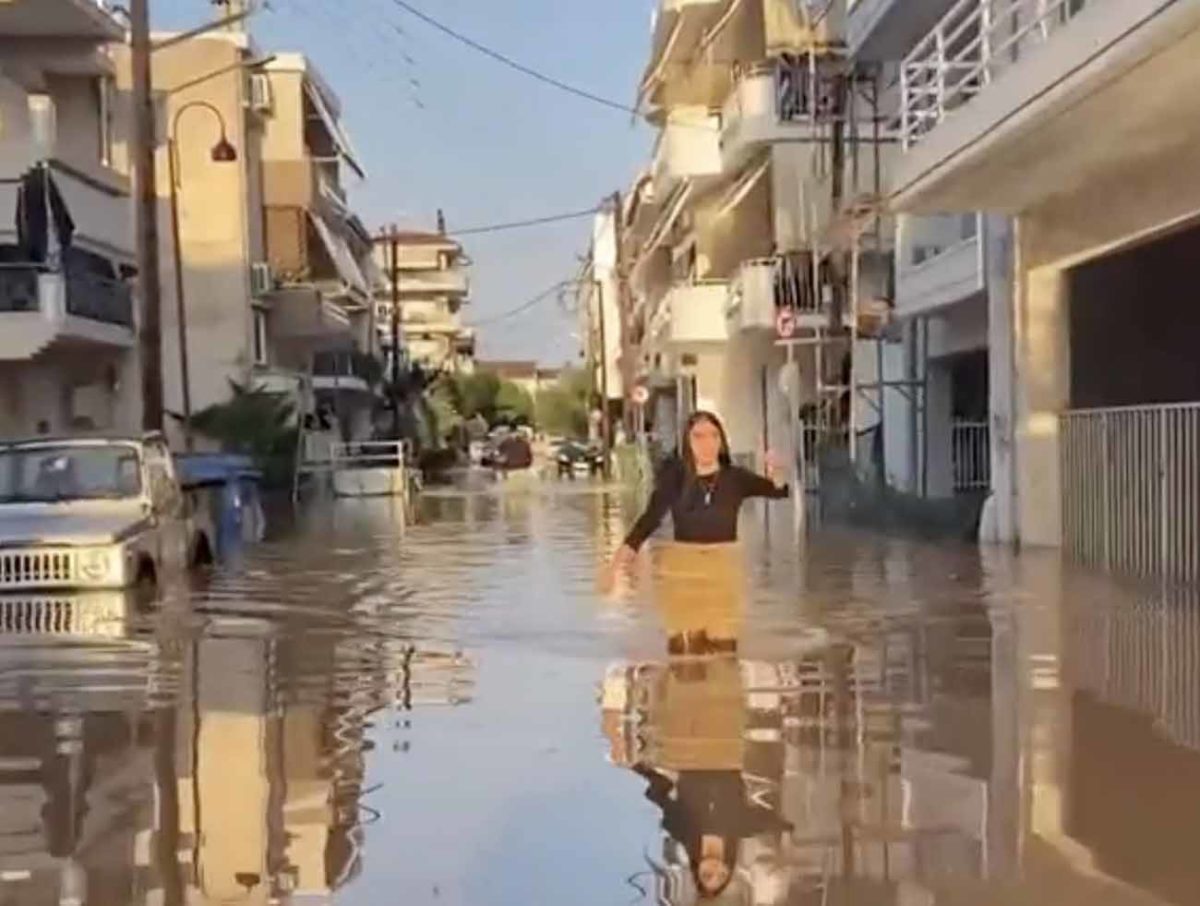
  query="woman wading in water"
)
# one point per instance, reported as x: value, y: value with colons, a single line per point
x: 701, y: 574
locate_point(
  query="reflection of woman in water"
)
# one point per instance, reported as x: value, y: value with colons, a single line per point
x: 709, y: 815
x: 703, y: 491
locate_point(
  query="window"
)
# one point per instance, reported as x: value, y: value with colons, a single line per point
x: 104, y: 110
x: 260, y: 337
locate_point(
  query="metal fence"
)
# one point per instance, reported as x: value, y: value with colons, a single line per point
x: 971, y: 456
x: 974, y: 42
x: 1131, y: 489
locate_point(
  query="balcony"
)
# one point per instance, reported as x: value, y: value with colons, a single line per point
x: 60, y: 19
x: 688, y: 148
x: 940, y: 263
x: 694, y: 314
x: 96, y: 198
x: 1001, y: 101
x: 40, y: 309
x: 344, y: 372
x: 765, y: 106
x: 453, y: 282
x: 882, y: 31
x: 751, y: 302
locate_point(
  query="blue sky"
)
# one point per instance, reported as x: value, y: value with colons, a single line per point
x: 488, y: 144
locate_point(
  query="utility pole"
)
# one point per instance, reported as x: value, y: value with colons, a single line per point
x: 623, y: 312
x: 146, y: 216
x: 605, y: 415
x: 394, y: 259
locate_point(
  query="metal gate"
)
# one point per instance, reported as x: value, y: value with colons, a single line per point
x: 1131, y: 489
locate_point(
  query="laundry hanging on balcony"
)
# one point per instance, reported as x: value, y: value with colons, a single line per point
x: 44, y: 225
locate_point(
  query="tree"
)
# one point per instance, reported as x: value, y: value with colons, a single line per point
x: 563, y: 407
x: 513, y: 404
x: 255, y: 423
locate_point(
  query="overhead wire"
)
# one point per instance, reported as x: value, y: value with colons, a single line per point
x: 511, y: 63
x: 526, y: 305
x: 523, y: 224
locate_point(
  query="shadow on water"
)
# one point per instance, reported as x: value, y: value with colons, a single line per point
x: 445, y: 711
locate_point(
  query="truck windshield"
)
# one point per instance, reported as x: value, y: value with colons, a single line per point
x: 56, y: 473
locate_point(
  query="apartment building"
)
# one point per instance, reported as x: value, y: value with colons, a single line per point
x: 68, y: 356
x: 722, y: 226
x: 599, y: 303
x: 433, y: 287
x: 1073, y: 121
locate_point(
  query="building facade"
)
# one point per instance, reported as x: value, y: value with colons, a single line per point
x: 68, y: 358
x: 432, y: 288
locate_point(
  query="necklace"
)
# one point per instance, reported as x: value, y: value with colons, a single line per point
x: 708, y: 484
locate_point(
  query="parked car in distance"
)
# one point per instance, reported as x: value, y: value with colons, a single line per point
x: 575, y: 458
x: 94, y: 513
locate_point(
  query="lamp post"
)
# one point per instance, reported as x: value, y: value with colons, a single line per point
x: 223, y: 153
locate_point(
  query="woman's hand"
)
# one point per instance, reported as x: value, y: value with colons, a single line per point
x: 621, y: 561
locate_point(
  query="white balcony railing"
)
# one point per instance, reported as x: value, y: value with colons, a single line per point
x: 1131, y: 489
x: 972, y: 44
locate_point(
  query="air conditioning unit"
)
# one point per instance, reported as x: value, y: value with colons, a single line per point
x: 260, y: 97
x: 261, y: 281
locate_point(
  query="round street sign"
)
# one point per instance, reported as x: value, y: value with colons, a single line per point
x: 641, y: 395
x: 785, y: 323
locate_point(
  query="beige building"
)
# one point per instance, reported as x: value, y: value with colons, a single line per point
x: 720, y: 228
x: 433, y: 288
x: 67, y: 314
x: 276, y: 267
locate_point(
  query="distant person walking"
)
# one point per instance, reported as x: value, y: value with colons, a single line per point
x: 701, y: 574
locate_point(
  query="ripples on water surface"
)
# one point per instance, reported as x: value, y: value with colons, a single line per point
x: 448, y: 712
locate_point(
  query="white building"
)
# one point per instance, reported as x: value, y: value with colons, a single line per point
x: 1074, y: 120
x: 722, y: 227
x: 67, y: 319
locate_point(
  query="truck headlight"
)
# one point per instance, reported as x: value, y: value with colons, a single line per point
x: 95, y: 565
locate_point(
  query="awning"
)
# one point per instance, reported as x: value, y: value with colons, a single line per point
x: 743, y: 185
x: 340, y: 139
x: 340, y: 254
x: 674, y: 208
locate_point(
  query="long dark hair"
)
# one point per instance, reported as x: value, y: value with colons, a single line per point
x: 690, y: 491
x: 685, y: 442
x: 729, y: 857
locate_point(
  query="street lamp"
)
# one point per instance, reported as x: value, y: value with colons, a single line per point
x: 223, y: 152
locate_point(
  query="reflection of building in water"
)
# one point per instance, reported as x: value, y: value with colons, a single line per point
x: 76, y: 775
x: 1026, y: 755
x: 270, y: 756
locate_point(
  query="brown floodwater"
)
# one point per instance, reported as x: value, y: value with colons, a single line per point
x: 448, y: 712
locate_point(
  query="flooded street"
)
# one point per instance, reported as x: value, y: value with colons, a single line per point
x: 449, y: 712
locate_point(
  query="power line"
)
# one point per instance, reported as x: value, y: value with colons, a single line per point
x: 522, y: 224
x: 525, y: 306
x: 511, y: 63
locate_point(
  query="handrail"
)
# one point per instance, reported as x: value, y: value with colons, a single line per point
x: 973, y: 42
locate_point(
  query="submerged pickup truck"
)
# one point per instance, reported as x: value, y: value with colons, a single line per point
x: 97, y: 513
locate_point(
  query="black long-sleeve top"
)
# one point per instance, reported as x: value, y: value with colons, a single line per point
x: 699, y: 518
x: 708, y: 802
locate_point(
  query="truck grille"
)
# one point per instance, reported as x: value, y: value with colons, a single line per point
x: 29, y: 616
x: 31, y: 568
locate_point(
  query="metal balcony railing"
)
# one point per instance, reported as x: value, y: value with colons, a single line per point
x: 99, y: 298
x: 18, y: 287
x: 1131, y: 489
x: 347, y: 365
x: 972, y: 44
x: 971, y: 456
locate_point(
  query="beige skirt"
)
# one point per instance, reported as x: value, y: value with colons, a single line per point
x: 695, y: 718
x: 700, y: 587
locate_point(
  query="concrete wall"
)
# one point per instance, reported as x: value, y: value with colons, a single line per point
x: 65, y: 385
x: 219, y: 222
